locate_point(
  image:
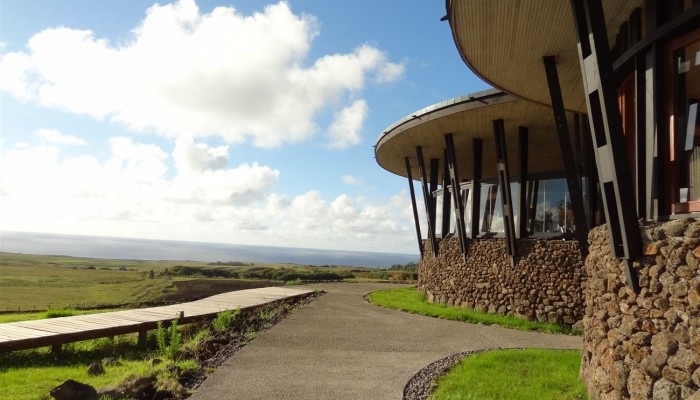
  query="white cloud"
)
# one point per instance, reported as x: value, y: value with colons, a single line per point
x: 55, y: 136
x: 345, y: 129
x: 351, y: 180
x: 132, y: 193
x: 183, y: 72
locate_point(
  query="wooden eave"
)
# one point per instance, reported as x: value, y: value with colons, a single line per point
x: 503, y: 42
x: 467, y: 118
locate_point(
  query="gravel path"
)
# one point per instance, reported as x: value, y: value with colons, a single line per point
x: 341, y: 347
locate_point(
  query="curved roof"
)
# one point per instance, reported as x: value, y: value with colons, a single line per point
x: 469, y: 117
x: 503, y: 42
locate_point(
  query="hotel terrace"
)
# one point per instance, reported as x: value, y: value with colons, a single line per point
x: 571, y: 192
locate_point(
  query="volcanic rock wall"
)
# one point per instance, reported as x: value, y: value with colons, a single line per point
x: 644, y: 345
x: 546, y: 283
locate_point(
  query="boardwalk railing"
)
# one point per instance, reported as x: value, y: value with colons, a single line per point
x: 57, y: 331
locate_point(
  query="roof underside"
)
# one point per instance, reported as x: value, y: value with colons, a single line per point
x: 468, y: 118
x: 503, y: 41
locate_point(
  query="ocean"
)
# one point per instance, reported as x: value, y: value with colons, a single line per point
x: 149, y: 249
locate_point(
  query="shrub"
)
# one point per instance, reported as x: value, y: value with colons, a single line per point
x: 225, y: 319
x: 59, y: 313
x: 293, y: 282
x: 168, y: 340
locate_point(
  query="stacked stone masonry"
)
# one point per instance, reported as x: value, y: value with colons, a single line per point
x: 545, y: 284
x: 644, y: 345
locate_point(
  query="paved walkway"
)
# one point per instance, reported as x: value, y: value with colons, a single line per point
x: 341, y: 347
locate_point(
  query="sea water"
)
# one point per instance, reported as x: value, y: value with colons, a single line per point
x: 149, y: 249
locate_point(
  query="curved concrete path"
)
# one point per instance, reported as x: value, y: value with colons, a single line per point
x: 341, y: 347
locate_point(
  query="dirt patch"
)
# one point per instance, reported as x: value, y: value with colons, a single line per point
x: 199, y: 288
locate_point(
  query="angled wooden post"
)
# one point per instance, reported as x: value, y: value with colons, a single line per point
x: 477, y: 148
x: 606, y: 134
x: 416, y: 221
x: 573, y: 178
x: 499, y: 135
x: 456, y: 193
x: 446, y: 198
x: 522, y: 179
x: 426, y: 200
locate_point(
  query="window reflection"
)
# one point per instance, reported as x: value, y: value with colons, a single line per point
x: 549, y: 208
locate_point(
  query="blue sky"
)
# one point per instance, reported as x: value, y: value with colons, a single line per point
x: 243, y: 122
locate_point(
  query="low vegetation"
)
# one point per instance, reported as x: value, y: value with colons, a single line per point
x: 41, y: 282
x: 413, y: 301
x: 532, y: 374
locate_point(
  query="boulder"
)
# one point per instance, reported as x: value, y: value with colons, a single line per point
x: 73, y: 390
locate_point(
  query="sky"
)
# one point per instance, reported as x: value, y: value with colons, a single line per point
x: 230, y: 121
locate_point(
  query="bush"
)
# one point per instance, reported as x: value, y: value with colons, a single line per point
x: 225, y: 319
x: 293, y: 282
x: 59, y: 313
x: 168, y: 340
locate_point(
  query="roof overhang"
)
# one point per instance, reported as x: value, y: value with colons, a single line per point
x: 503, y: 42
x: 470, y: 117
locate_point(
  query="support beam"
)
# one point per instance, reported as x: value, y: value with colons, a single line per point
x: 416, y: 221
x: 426, y: 199
x: 573, y: 179
x: 640, y: 134
x: 522, y: 179
x: 477, y: 148
x: 456, y: 193
x: 651, y: 193
x: 446, y: 198
x: 606, y: 133
x: 434, y: 169
x: 499, y: 135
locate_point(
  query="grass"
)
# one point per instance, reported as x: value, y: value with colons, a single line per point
x: 16, y: 317
x: 532, y: 374
x: 411, y: 300
x: 30, y: 374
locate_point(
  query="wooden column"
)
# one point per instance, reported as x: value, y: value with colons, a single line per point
x: 426, y: 200
x: 416, y: 221
x: 456, y: 193
x: 499, y: 136
x: 606, y: 134
x: 522, y: 178
x: 477, y: 147
x: 573, y: 179
x: 446, y: 198
x: 434, y: 169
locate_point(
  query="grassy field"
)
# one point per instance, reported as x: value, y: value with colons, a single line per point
x: 411, y: 300
x: 39, y: 282
x: 531, y: 374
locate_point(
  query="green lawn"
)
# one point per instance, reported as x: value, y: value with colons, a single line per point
x: 532, y: 374
x: 411, y: 300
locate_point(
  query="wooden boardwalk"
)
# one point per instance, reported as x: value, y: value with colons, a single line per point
x: 58, y: 331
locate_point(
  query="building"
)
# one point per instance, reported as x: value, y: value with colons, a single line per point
x: 618, y: 85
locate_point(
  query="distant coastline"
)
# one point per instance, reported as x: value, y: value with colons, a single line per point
x: 150, y: 249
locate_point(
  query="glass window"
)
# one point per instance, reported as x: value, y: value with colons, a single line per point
x: 685, y: 138
x: 552, y: 205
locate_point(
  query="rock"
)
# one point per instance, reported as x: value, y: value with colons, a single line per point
x: 73, y: 390
x: 164, y: 395
x: 111, y: 394
x: 141, y: 388
x: 639, y: 384
x: 665, y: 390
x: 109, y: 361
x: 95, y: 369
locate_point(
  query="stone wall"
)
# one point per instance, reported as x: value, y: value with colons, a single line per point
x: 546, y: 283
x: 644, y: 345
